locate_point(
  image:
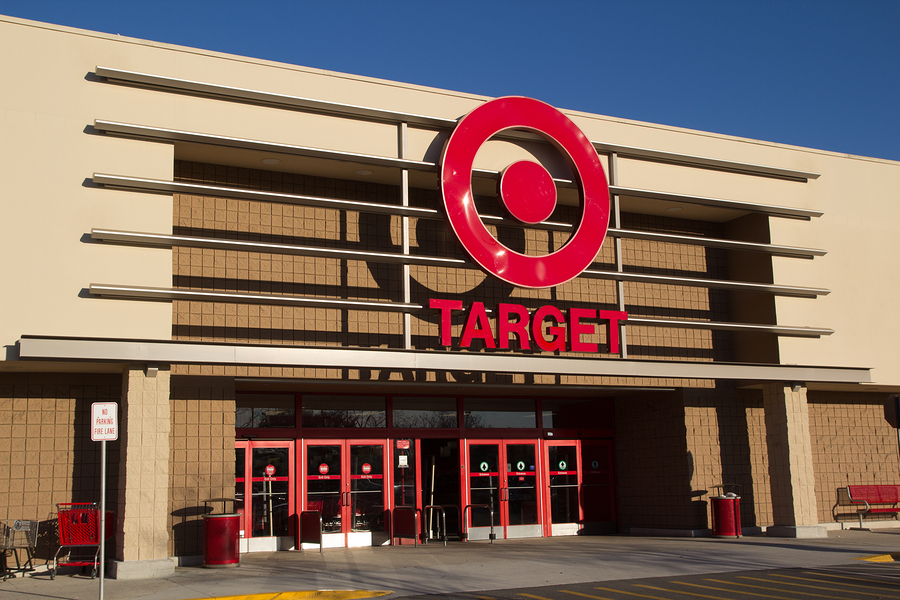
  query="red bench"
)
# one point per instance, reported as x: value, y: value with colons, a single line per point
x: 867, y: 495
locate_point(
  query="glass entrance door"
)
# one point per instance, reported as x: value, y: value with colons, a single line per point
x: 598, y: 486
x: 263, y: 474
x: 562, y: 462
x: 346, y: 481
x: 503, y: 478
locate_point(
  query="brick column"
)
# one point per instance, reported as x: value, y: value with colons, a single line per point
x: 791, y: 474
x: 142, y: 532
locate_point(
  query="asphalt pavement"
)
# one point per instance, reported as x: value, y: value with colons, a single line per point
x: 545, y: 568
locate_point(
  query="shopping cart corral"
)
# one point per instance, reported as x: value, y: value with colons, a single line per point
x: 79, y: 536
x: 16, y: 535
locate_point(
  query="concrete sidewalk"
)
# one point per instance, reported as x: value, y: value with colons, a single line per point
x: 473, y: 566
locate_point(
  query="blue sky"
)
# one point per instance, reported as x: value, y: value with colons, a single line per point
x: 817, y: 73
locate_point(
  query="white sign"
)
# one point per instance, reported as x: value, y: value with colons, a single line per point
x: 104, y: 421
x: 403, y: 461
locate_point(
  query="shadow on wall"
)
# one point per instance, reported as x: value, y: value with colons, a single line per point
x: 735, y: 451
x: 85, y: 466
x: 188, y: 532
x: 653, y: 465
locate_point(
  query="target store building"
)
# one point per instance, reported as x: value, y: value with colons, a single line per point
x: 311, y: 291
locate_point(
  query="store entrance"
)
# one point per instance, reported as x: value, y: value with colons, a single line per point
x: 503, y: 479
x: 264, y: 496
x: 440, y: 487
x: 345, y: 482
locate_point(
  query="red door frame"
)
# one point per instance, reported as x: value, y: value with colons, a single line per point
x: 503, y: 482
x: 545, y: 453
x: 249, y: 445
x: 346, y: 476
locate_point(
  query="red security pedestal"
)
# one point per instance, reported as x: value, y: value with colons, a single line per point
x: 726, y: 516
x: 221, y: 547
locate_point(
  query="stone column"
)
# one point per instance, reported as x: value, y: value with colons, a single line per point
x: 791, y: 474
x: 142, y: 532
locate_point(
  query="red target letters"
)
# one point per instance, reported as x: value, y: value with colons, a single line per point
x: 515, y: 322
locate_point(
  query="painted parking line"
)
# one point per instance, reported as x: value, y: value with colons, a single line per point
x: 881, y: 592
x: 771, y: 589
x: 881, y: 558
x: 583, y: 595
x: 681, y: 593
x: 632, y: 593
x: 306, y: 595
x: 868, y: 579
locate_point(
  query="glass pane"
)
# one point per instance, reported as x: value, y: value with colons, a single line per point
x: 239, y: 466
x: 499, y: 412
x: 270, y: 471
x: 367, y: 487
x: 323, y: 485
x: 484, y: 481
x: 425, y: 412
x: 597, y: 480
x: 404, y: 472
x: 521, y: 479
x: 563, y: 484
x: 573, y: 413
x: 344, y: 411
x: 270, y: 508
x: 264, y: 410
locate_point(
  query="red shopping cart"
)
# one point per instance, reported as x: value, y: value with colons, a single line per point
x: 79, y: 535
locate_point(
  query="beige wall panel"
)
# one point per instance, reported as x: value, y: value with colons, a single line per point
x: 215, y: 117
x: 637, y: 134
x: 716, y: 184
x: 860, y: 230
x: 46, y: 105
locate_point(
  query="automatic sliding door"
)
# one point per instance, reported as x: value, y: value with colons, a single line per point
x: 345, y: 481
x: 503, y: 478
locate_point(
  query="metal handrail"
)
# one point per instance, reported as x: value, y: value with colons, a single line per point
x: 442, y: 523
x: 465, y: 535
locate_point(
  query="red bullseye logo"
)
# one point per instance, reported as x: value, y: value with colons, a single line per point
x: 527, y: 191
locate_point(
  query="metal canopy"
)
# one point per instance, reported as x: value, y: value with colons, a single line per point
x: 168, y: 352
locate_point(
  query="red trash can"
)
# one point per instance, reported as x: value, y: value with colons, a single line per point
x: 221, y: 545
x: 726, y: 516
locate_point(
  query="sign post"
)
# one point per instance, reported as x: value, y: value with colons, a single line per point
x: 104, y: 427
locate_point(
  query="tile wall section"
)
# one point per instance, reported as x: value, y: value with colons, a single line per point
x: 46, y: 453
x: 653, y: 468
x: 852, y: 443
x: 283, y: 223
x: 201, y: 456
x: 726, y: 438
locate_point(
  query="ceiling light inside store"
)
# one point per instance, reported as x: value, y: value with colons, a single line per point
x: 363, y: 172
x: 270, y: 161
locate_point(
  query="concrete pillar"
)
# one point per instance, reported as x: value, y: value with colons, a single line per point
x: 791, y: 474
x: 142, y: 533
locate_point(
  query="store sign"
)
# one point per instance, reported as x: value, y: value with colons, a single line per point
x: 104, y: 422
x: 526, y: 190
x: 564, y: 332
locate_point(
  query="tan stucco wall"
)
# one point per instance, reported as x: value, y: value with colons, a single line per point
x: 861, y: 231
x: 46, y: 103
x: 51, y: 100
